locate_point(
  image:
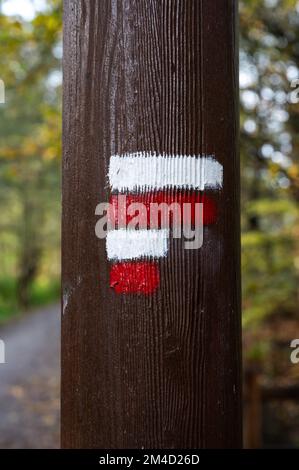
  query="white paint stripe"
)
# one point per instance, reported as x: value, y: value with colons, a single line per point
x: 147, y: 170
x: 125, y: 244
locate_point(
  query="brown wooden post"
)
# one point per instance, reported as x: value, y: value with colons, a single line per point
x: 160, y: 370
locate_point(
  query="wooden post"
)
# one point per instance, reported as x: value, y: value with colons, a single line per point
x: 158, y: 369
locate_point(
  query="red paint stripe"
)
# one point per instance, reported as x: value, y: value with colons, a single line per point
x: 133, y: 278
x: 168, y: 197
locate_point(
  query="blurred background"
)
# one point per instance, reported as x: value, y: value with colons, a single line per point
x: 30, y: 155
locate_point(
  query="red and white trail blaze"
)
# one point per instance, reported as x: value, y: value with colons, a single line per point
x: 147, y: 178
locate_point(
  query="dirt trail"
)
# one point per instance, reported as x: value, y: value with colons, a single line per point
x: 29, y: 381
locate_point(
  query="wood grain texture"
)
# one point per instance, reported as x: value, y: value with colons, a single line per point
x: 163, y: 370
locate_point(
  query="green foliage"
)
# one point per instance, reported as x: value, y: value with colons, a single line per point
x: 42, y: 291
x: 30, y: 150
x: 269, y: 155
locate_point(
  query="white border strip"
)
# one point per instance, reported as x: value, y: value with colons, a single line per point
x: 148, y: 171
x: 125, y: 244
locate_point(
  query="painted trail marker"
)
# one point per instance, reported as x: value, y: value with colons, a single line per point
x: 135, y: 244
x: 149, y: 178
x: 144, y: 171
